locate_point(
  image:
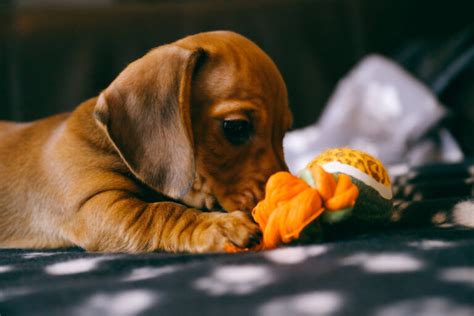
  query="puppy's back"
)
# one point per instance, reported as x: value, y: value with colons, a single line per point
x: 21, y: 179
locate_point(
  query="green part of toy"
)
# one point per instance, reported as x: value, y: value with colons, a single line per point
x: 307, y: 177
x: 332, y: 217
x: 370, y: 205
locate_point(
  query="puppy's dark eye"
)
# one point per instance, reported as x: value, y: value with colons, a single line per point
x: 237, y: 132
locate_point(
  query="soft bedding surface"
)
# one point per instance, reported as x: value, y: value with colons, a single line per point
x: 411, y: 272
x: 410, y: 269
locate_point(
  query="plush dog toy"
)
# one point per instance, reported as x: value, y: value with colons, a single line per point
x: 338, y: 184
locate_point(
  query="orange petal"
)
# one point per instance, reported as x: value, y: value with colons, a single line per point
x: 325, y: 183
x: 261, y: 213
x: 289, y: 206
x: 277, y: 180
x: 303, y: 210
x: 344, y: 182
x: 281, y: 187
x: 288, y: 220
x: 271, y: 234
x: 343, y: 200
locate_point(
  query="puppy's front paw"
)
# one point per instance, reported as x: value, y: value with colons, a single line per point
x: 236, y: 228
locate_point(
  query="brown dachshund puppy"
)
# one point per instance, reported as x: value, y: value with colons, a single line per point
x: 196, y: 124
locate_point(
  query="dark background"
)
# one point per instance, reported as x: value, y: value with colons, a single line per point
x: 55, y: 54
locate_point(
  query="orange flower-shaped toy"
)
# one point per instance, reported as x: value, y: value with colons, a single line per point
x: 291, y: 203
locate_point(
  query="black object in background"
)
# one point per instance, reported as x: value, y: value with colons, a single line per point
x: 446, y: 65
x: 58, y: 56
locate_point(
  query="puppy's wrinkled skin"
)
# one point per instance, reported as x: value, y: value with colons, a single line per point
x: 131, y: 169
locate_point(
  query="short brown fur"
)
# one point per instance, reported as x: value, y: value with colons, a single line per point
x: 133, y: 169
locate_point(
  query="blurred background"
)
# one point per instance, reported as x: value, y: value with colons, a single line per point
x: 56, y: 53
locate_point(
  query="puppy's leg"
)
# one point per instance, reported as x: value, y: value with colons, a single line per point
x: 116, y: 221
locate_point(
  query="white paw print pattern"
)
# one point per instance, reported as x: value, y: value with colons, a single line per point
x: 429, y: 244
x: 4, y: 269
x: 432, y: 306
x: 385, y: 262
x: 294, y: 255
x: 125, y: 303
x: 311, y: 303
x: 75, y: 266
x: 33, y: 255
x: 235, y: 279
x: 145, y: 273
x: 462, y: 275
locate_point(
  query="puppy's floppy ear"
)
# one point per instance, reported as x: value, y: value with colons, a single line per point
x: 146, y: 114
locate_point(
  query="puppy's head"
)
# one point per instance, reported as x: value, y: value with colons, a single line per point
x: 201, y: 120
